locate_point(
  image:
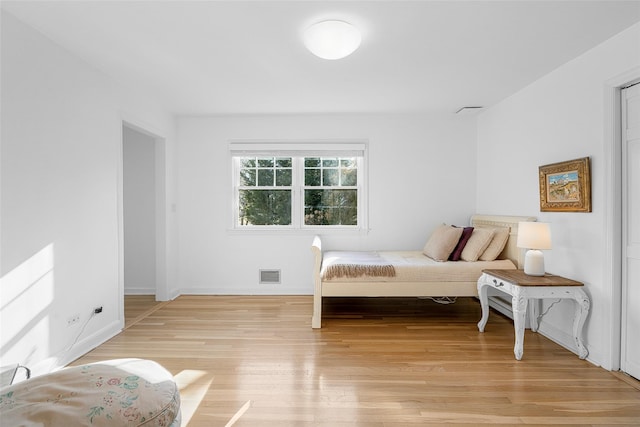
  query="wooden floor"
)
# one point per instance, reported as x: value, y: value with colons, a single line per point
x: 255, y: 361
x: 138, y: 307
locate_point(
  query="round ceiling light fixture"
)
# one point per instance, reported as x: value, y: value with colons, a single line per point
x: 332, y: 39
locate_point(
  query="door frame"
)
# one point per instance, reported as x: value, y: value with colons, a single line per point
x: 626, y: 332
x: 161, y: 250
x: 613, y: 207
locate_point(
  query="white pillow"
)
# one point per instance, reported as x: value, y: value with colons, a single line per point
x: 478, y: 242
x: 500, y: 237
x: 442, y: 242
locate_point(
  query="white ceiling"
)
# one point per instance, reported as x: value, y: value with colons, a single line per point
x: 246, y: 57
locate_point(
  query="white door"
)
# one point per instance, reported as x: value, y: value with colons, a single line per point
x: 630, y: 351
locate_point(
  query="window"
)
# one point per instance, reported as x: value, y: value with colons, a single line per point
x: 264, y: 194
x: 296, y: 189
x: 330, y: 191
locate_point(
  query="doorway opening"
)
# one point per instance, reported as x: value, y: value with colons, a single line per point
x: 143, y: 219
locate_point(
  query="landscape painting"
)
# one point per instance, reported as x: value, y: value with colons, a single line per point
x: 565, y: 186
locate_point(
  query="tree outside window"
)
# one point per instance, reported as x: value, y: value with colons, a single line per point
x: 268, y: 189
x: 330, y: 191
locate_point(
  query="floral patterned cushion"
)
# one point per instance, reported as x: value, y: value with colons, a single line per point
x: 124, y: 392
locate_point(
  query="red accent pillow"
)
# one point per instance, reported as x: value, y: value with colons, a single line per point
x: 457, y: 251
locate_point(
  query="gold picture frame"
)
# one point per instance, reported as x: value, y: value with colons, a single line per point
x: 566, y: 186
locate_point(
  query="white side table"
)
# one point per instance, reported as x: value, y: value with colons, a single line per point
x: 524, y: 291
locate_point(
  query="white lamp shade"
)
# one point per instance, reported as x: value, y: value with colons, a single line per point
x: 332, y: 39
x: 534, y: 235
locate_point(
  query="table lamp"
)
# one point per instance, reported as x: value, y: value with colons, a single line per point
x: 534, y: 236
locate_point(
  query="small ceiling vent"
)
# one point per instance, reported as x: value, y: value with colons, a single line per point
x: 269, y: 277
x: 467, y: 111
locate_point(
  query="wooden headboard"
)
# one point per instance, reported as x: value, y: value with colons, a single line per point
x: 511, y: 251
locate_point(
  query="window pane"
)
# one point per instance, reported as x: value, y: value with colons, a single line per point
x: 312, y: 177
x: 265, y: 162
x: 283, y: 177
x: 311, y: 162
x: 283, y: 162
x: 248, y: 162
x: 331, y: 207
x: 349, y: 177
x: 265, y: 177
x: 265, y: 207
x: 348, y: 163
x: 330, y: 177
x: 248, y: 177
x: 329, y: 162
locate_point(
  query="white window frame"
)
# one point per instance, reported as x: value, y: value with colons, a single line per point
x: 298, y: 151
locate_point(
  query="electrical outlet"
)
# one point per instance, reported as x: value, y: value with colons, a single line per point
x: 73, y: 319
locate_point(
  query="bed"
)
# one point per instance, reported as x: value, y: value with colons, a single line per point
x: 412, y: 273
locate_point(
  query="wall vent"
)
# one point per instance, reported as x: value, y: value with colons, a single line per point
x: 269, y: 276
x: 469, y: 110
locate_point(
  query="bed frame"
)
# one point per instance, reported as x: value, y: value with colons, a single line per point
x: 335, y: 288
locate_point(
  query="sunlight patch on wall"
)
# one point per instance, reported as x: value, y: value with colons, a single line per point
x: 26, y: 292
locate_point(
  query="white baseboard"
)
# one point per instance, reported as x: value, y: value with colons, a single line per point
x: 558, y: 336
x: 139, y: 290
x: 269, y: 291
x: 81, y: 348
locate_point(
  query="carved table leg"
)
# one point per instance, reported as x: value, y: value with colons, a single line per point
x: 534, y: 310
x: 582, y: 310
x: 519, y: 304
x: 484, y: 303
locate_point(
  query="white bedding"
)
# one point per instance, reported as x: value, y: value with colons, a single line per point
x: 412, y: 266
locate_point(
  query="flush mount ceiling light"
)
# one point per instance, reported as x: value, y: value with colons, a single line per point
x: 332, y: 39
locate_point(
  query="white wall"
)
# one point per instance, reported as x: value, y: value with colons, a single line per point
x: 61, y: 165
x: 560, y: 117
x: 139, y: 213
x: 421, y: 173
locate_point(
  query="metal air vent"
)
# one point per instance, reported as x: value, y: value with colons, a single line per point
x: 470, y: 110
x: 269, y: 276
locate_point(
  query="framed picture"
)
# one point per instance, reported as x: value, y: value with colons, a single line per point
x: 566, y: 186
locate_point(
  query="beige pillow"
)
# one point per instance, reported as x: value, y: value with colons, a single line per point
x: 478, y: 242
x: 442, y: 242
x: 500, y: 237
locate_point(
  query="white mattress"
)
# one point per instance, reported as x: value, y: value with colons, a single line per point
x: 414, y: 266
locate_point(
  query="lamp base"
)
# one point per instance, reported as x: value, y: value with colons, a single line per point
x: 534, y: 263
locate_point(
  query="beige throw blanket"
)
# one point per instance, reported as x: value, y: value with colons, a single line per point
x: 356, y: 264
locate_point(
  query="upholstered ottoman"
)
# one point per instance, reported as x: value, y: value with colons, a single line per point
x: 124, y: 392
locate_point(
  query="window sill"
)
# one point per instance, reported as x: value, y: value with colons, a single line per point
x: 326, y: 231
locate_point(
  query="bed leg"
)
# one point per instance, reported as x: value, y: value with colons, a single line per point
x: 316, y: 319
x: 315, y: 323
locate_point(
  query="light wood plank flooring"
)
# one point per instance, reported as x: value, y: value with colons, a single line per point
x: 255, y: 361
x: 138, y: 307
